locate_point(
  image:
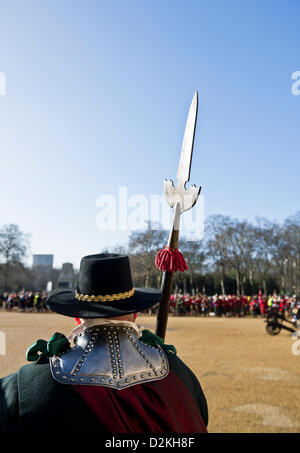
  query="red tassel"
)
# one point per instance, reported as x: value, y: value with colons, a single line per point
x: 78, y: 321
x: 170, y: 260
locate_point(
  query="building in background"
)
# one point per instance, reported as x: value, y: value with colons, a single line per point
x: 66, y: 279
x: 43, y: 260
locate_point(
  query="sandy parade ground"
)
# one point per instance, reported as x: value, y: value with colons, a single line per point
x: 251, y: 380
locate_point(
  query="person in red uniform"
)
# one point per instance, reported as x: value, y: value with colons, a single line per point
x: 107, y: 376
x: 198, y: 305
x: 261, y: 303
x: 172, y: 303
x: 187, y: 303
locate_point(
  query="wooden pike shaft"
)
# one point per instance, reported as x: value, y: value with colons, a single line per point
x: 167, y: 280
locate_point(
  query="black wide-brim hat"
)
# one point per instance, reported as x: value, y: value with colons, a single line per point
x: 104, y: 290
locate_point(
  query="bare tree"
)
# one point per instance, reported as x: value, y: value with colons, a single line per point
x: 194, y: 255
x: 143, y: 246
x: 291, y: 228
x: 241, y: 240
x: 14, y: 245
x: 264, y: 246
x: 217, y: 245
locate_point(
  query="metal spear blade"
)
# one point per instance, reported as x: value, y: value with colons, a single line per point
x: 184, y: 168
x: 186, y: 198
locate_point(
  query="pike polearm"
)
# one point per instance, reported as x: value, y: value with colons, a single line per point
x: 170, y: 260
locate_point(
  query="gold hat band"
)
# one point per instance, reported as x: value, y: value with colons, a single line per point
x: 107, y: 298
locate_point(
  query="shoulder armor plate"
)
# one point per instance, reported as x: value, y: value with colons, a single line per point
x: 109, y: 356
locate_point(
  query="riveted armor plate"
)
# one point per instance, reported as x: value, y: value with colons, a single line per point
x: 109, y: 356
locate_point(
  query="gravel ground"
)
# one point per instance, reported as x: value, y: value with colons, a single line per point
x: 251, y: 380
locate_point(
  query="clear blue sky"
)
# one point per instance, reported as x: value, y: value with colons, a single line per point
x: 97, y: 95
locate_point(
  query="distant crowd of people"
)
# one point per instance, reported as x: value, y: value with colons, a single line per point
x: 25, y: 301
x: 185, y: 304
x: 181, y: 304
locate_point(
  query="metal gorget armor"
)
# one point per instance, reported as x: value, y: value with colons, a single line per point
x: 109, y: 356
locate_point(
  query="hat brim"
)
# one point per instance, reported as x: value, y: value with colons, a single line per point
x: 65, y: 303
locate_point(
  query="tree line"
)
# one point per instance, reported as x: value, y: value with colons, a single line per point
x: 14, y: 274
x: 234, y: 257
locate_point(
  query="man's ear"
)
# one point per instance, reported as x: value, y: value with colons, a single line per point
x: 134, y: 316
